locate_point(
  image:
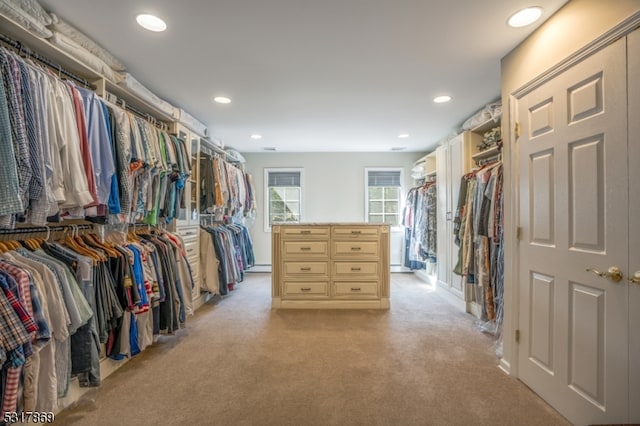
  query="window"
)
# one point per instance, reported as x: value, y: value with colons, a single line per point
x: 284, y: 196
x: 383, y: 192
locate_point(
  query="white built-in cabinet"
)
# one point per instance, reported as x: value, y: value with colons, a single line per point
x: 453, y: 160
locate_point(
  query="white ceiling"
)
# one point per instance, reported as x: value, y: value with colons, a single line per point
x: 314, y: 75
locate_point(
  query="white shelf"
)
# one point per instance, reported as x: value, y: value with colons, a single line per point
x: 51, y: 52
x: 487, y: 125
x: 494, y: 150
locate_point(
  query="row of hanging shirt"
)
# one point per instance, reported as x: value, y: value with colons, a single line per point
x: 478, y: 232
x: 68, y: 152
x: 226, y: 251
x: 61, y: 301
x: 225, y: 187
x: 420, y: 220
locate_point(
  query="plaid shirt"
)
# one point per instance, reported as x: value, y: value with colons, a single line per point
x: 9, y: 285
x: 13, y: 88
x: 13, y: 333
x: 9, y: 188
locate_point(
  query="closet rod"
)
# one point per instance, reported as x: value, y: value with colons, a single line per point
x: 13, y: 234
x: 30, y: 53
x: 147, y: 117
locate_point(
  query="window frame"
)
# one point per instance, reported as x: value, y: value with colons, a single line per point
x: 400, y: 193
x: 267, y: 196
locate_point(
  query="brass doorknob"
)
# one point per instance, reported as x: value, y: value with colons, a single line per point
x: 613, y: 273
x: 635, y: 278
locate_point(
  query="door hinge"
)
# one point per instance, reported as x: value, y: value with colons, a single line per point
x: 519, y: 232
x: 516, y: 130
x: 517, y: 336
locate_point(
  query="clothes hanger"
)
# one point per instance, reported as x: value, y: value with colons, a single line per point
x: 3, y: 247
x: 71, y: 243
x: 93, y: 241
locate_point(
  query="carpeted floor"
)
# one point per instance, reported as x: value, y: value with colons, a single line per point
x: 240, y: 363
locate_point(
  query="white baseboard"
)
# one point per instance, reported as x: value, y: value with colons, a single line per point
x: 259, y: 268
x: 505, y: 366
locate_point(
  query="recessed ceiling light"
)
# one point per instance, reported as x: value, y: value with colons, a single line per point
x: 222, y: 100
x: 151, y: 22
x: 256, y: 136
x: 441, y: 99
x: 403, y: 136
x: 524, y: 17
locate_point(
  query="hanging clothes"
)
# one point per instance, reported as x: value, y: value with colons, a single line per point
x: 70, y: 154
x: 419, y: 219
x: 233, y: 250
x: 61, y: 301
x: 478, y: 231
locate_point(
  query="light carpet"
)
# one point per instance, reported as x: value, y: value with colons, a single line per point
x: 238, y: 362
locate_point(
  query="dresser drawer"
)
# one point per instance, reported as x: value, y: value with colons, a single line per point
x: 356, y: 289
x: 306, y: 268
x: 308, y: 248
x: 356, y: 232
x: 308, y: 289
x: 304, y: 232
x: 355, y: 269
x: 355, y: 248
x: 188, y: 233
x: 191, y: 248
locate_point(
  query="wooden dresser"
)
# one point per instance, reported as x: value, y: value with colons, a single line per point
x: 330, y: 266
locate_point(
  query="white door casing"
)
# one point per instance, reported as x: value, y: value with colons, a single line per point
x: 633, y: 47
x: 574, y: 215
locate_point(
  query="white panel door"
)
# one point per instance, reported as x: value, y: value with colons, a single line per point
x: 634, y: 223
x: 574, y: 216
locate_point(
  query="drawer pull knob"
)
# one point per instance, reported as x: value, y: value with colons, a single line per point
x: 356, y: 248
x: 305, y: 232
x: 305, y: 269
x: 305, y: 248
x: 355, y: 269
x: 355, y: 288
x: 356, y: 232
x: 305, y: 289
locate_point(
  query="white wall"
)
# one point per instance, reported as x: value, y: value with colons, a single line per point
x: 333, y: 189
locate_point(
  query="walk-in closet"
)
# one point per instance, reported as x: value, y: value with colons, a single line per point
x: 319, y: 213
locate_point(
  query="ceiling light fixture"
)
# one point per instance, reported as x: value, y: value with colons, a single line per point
x: 524, y: 17
x: 442, y: 99
x: 151, y: 22
x: 403, y: 136
x: 222, y: 100
x: 256, y: 136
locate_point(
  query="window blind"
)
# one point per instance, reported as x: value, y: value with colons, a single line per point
x: 384, y: 178
x: 284, y: 179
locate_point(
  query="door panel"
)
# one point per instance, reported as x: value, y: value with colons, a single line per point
x: 586, y: 191
x: 574, y: 216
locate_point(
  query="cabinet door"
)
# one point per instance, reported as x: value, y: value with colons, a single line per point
x: 456, y: 169
x: 443, y: 260
x: 194, y: 180
x: 183, y: 216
